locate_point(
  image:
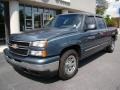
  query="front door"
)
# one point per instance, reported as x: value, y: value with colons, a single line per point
x: 104, y: 38
x: 90, y: 37
x: 2, y: 23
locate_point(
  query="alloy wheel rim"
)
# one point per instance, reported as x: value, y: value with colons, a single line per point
x: 70, y: 65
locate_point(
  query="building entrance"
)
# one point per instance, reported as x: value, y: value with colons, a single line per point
x: 34, y: 18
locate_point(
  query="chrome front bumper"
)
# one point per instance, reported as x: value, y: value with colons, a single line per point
x: 51, y: 67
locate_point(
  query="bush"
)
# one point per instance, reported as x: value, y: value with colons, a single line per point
x: 110, y: 21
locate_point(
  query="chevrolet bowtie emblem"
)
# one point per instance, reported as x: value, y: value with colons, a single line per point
x: 15, y: 46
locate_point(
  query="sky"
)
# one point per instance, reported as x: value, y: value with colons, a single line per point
x: 111, y: 1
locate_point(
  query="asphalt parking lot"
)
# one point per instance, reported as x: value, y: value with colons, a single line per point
x: 98, y: 72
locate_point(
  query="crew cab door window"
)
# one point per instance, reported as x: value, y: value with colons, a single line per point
x: 91, y: 36
x: 89, y: 20
x: 100, y: 23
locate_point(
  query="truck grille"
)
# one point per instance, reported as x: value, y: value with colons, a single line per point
x: 19, y: 47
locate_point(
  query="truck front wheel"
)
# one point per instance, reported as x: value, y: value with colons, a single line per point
x: 68, y: 64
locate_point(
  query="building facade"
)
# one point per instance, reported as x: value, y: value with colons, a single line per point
x: 113, y: 9
x: 24, y: 15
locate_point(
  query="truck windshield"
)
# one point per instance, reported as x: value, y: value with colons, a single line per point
x: 62, y: 21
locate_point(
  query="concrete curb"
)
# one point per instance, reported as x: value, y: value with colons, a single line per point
x: 118, y: 31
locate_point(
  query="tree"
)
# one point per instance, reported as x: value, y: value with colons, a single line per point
x: 110, y: 21
x: 100, y: 10
x: 101, y: 6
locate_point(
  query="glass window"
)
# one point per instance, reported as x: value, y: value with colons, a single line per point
x: 37, y: 21
x: 101, y: 23
x: 46, y: 15
x: 40, y: 10
x: 34, y: 10
x: 52, y: 13
x: 32, y: 17
x: 28, y: 12
x: 22, y: 18
x: 37, y: 25
x: 2, y: 23
x: 46, y: 10
x: 89, y: 20
x: 1, y: 12
x: 58, y: 12
x: 28, y: 18
x: 28, y: 23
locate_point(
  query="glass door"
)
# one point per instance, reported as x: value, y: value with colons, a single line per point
x: 28, y: 18
x: 37, y: 21
x: 2, y: 23
x: 46, y: 18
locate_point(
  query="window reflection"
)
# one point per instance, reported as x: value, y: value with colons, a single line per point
x: 40, y: 10
x: 2, y: 23
x: 22, y: 18
x: 32, y: 18
x: 37, y: 20
x: 28, y: 12
x: 1, y: 12
x: 34, y: 10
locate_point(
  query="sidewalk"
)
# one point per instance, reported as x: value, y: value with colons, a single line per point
x: 2, y: 48
x: 118, y: 31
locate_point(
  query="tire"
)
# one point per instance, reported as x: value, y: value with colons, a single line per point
x: 68, y: 64
x: 111, y: 47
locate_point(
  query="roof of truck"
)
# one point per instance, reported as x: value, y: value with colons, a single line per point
x: 84, y: 13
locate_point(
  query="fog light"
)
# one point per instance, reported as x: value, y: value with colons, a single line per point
x: 39, y: 53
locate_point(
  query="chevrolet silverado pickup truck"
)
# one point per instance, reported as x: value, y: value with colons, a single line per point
x: 60, y: 44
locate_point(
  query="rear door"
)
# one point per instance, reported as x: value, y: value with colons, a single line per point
x: 102, y: 31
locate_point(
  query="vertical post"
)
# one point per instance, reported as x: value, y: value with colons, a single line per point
x: 14, y: 16
x: 7, y: 21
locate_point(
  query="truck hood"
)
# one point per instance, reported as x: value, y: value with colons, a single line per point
x: 42, y: 34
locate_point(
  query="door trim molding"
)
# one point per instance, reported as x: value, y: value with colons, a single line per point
x: 95, y: 46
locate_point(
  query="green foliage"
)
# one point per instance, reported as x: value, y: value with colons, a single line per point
x: 110, y: 21
x: 101, y: 6
x: 100, y: 10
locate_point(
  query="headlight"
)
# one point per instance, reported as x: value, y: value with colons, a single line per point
x: 39, y: 53
x: 40, y: 44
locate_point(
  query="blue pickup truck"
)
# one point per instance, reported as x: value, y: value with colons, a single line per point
x: 60, y: 44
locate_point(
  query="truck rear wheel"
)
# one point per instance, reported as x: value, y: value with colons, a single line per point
x: 68, y: 64
x: 111, y: 47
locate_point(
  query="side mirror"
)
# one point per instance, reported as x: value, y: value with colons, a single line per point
x: 74, y: 25
x: 90, y: 27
